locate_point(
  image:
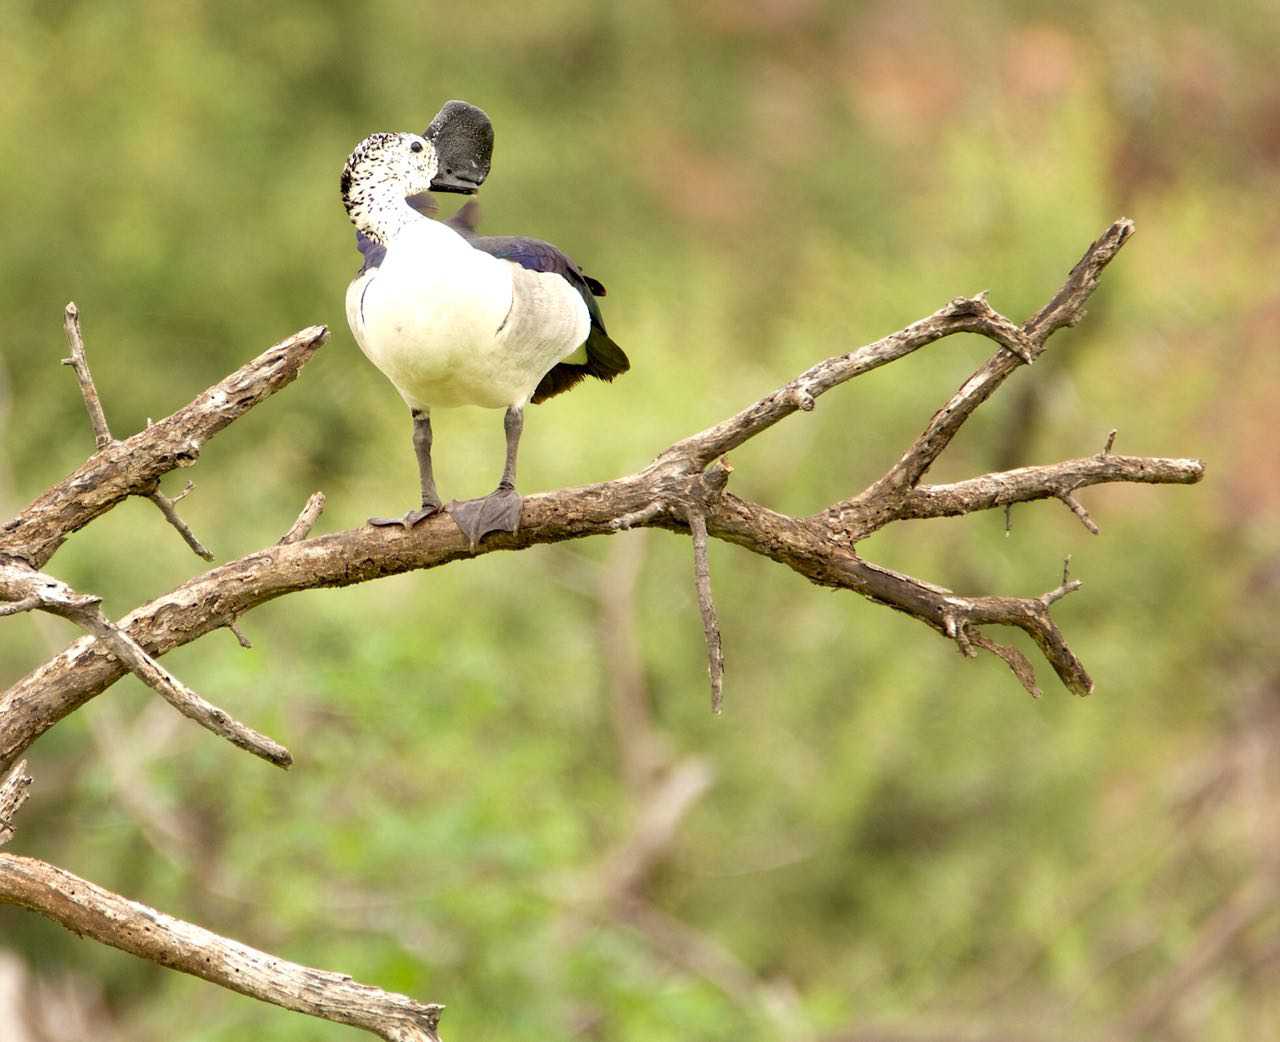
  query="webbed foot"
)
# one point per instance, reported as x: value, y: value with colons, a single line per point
x: 410, y: 519
x: 499, y: 511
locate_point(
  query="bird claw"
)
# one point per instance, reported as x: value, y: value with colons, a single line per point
x: 410, y: 519
x: 499, y: 511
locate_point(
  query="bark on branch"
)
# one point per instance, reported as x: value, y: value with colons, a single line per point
x: 91, y: 911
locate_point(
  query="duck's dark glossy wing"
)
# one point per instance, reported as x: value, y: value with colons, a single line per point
x: 605, y: 359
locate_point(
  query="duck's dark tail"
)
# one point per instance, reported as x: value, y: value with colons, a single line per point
x: 605, y: 360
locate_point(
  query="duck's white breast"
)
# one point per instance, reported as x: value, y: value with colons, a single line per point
x: 450, y: 325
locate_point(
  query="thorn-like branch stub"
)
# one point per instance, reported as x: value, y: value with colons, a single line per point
x: 91, y: 911
x: 1077, y: 508
x: 301, y: 528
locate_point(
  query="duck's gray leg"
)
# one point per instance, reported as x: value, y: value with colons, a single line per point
x: 430, y: 498
x: 499, y: 511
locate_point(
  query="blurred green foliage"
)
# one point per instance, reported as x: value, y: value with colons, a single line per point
x: 894, y: 834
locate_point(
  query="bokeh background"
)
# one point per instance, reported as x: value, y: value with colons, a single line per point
x: 878, y: 839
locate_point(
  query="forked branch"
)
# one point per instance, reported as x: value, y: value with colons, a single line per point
x: 819, y: 547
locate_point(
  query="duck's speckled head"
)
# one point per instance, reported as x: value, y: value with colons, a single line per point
x: 379, y: 173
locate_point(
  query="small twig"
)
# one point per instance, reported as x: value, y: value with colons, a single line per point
x: 14, y: 790
x: 707, y: 607
x: 1066, y: 569
x: 1008, y: 519
x: 18, y: 606
x: 301, y: 528
x: 959, y: 632
x: 962, y: 315
x: 106, y: 917
x: 1017, y: 662
x: 171, y: 515
x: 243, y: 641
x: 1053, y: 596
x: 80, y: 363
x: 1111, y: 440
x: 637, y: 517
x: 1077, y: 508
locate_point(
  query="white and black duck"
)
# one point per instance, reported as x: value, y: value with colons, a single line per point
x: 454, y: 319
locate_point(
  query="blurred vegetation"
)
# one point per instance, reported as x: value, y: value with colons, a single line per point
x: 894, y: 836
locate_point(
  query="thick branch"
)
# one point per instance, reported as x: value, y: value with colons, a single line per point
x: 91, y: 911
x: 134, y: 466
x: 206, y: 602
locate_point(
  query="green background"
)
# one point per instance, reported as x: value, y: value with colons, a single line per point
x: 894, y: 839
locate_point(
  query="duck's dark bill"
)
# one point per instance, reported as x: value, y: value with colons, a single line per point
x: 454, y: 183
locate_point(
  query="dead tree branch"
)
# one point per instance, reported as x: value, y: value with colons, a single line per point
x: 1030, y: 483
x: 817, y: 547
x: 108, y: 918
x: 133, y: 467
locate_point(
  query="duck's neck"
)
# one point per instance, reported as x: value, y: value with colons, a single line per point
x: 376, y: 204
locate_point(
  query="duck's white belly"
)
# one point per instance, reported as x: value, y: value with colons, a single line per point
x: 449, y: 325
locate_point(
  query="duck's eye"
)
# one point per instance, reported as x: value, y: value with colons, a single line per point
x: 416, y: 147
